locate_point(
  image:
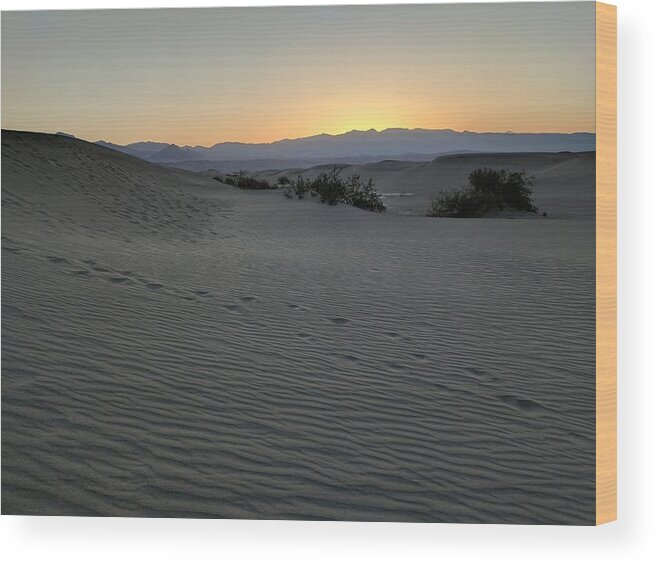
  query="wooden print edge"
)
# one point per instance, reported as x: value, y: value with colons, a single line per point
x: 606, y: 262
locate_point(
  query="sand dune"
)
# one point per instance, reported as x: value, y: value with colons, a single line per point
x: 176, y: 347
x: 564, y: 184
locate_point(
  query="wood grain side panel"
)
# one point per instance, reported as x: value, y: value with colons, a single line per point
x: 606, y: 324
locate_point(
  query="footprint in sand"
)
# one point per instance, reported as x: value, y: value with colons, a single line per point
x: 340, y: 321
x: 56, y: 260
x: 481, y: 375
x: 352, y: 358
x: 248, y: 299
x: 154, y: 286
x: 118, y: 280
x: 80, y: 272
x: 520, y: 403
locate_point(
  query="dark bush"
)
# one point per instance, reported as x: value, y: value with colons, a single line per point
x: 464, y: 203
x: 488, y: 190
x: 301, y: 187
x: 330, y: 188
x: 241, y: 180
x: 363, y: 195
x: 517, y: 193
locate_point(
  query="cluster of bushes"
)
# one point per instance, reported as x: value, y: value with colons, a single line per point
x: 241, y: 180
x: 296, y: 189
x: 331, y: 188
x: 488, y: 190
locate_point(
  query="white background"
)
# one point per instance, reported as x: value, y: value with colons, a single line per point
x: 630, y: 540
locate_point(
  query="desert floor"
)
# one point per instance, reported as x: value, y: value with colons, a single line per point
x: 176, y: 347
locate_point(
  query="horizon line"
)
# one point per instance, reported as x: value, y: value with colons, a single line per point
x: 370, y: 130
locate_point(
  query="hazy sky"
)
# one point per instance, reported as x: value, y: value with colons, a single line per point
x: 199, y: 76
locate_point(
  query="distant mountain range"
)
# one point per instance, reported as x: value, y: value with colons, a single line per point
x: 351, y: 148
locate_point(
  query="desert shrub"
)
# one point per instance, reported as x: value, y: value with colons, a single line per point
x: 464, y: 203
x: 283, y: 180
x: 488, y: 190
x: 301, y: 187
x: 227, y: 179
x: 486, y: 181
x: 242, y: 180
x: 363, y: 195
x: 517, y: 193
x: 330, y: 188
x: 297, y: 189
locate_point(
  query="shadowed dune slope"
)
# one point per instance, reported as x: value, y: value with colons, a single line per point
x: 75, y: 186
x: 564, y: 184
x: 175, y: 347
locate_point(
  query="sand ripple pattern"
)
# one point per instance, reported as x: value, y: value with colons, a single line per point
x: 294, y: 362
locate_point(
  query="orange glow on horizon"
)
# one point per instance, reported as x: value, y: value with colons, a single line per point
x: 257, y: 75
x: 205, y: 140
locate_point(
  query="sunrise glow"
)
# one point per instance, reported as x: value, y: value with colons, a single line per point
x: 202, y: 76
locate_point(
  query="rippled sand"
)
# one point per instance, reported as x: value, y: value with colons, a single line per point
x: 174, y: 347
